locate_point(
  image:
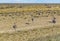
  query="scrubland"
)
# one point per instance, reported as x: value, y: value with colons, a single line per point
x: 33, y: 22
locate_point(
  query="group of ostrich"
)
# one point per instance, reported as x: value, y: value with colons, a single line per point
x: 32, y: 19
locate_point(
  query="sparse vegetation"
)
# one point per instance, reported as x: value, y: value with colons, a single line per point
x: 26, y: 30
x: 38, y: 34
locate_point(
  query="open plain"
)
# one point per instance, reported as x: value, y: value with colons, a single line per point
x: 29, y: 22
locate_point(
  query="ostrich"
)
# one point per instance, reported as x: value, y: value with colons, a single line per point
x: 14, y: 26
x: 32, y: 19
x: 54, y: 20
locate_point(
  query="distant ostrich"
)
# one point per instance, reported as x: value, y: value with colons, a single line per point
x: 32, y: 19
x: 14, y: 26
x: 54, y: 20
